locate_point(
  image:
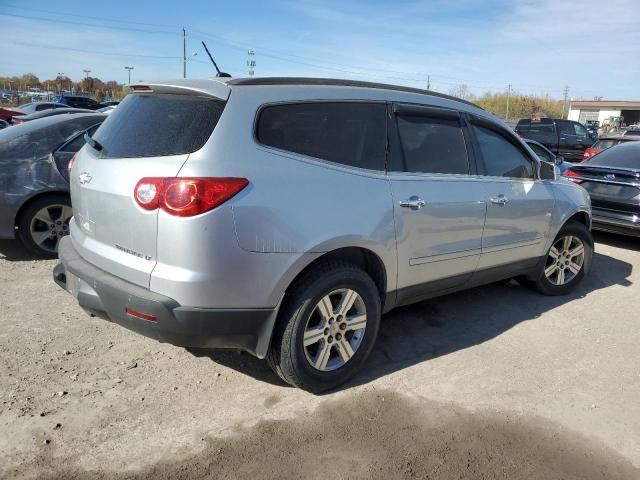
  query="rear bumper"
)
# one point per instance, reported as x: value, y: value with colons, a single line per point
x: 108, y: 297
x: 616, y: 222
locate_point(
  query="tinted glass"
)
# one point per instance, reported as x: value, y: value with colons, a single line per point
x: 74, y: 145
x: 502, y: 158
x: 566, y: 128
x: 158, y: 125
x: 432, y: 145
x: 605, y: 144
x: 580, y: 130
x: 352, y: 134
x: 78, y: 142
x: 625, y: 155
x: 542, y: 153
x: 536, y: 126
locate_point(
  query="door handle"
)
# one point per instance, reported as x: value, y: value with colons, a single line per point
x: 499, y: 200
x: 413, y: 202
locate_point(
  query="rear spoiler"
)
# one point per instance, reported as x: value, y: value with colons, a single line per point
x: 201, y: 86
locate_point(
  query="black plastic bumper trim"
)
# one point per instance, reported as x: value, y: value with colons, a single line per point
x: 107, y: 296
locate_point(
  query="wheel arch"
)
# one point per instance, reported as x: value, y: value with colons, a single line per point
x: 365, y: 258
x: 35, y: 198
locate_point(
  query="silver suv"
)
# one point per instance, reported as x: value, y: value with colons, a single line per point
x: 283, y: 216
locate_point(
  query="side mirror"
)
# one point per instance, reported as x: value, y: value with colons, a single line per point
x: 547, y: 171
x: 558, y: 160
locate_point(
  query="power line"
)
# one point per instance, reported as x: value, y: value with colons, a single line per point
x: 70, y: 22
x: 96, y: 52
x: 103, y: 19
x: 290, y: 58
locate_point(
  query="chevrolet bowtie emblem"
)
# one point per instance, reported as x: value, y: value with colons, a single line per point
x: 84, y: 177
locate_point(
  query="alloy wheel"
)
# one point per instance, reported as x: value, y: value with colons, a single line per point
x: 49, y: 225
x: 335, y: 329
x: 565, y: 260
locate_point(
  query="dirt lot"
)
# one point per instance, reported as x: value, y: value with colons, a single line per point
x: 497, y: 382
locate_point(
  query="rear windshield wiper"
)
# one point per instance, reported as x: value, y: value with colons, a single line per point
x: 94, y: 143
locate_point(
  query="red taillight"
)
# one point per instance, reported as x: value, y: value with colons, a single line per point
x: 185, y: 197
x: 571, y: 175
x: 71, y: 164
x: 141, y: 315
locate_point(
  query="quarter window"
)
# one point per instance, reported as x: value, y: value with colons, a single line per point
x: 349, y: 133
x: 432, y: 145
x: 501, y: 157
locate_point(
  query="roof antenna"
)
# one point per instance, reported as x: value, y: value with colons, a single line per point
x: 219, y: 74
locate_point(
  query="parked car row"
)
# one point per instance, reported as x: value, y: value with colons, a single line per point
x: 609, y: 171
x: 565, y: 138
x: 66, y: 102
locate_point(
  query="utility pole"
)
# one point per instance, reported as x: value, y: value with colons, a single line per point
x: 184, y: 53
x: 86, y: 72
x: 508, y: 98
x: 428, y: 82
x: 566, y: 95
x: 251, y: 63
x: 129, y: 71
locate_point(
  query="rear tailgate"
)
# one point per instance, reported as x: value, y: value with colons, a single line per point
x: 150, y: 134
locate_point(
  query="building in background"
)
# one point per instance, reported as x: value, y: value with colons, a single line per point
x: 583, y: 110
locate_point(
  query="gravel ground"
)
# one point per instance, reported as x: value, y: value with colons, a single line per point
x: 495, y: 382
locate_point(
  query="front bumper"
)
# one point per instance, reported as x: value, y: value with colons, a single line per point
x: 616, y: 222
x: 108, y: 297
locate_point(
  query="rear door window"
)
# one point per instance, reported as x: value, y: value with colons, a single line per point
x: 349, y: 133
x: 580, y: 130
x: 566, y: 127
x: 430, y: 144
x: 153, y: 125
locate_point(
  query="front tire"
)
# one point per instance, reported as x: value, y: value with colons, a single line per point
x: 327, y: 327
x: 567, y: 261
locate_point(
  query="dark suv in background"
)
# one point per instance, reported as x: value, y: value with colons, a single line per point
x: 78, y: 102
x: 565, y: 138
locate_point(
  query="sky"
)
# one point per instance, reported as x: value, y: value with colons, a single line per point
x: 538, y: 47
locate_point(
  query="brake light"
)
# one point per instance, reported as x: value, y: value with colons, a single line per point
x: 71, y: 163
x: 573, y: 176
x: 185, y: 197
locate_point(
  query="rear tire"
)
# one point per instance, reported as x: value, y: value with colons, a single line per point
x: 567, y: 261
x: 327, y: 327
x: 43, y: 223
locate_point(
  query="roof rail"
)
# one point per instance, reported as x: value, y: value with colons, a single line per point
x: 340, y: 83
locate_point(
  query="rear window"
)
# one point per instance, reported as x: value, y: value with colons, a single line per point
x: 604, y: 144
x: 350, y: 133
x: 157, y: 125
x: 625, y: 155
x: 536, y: 126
